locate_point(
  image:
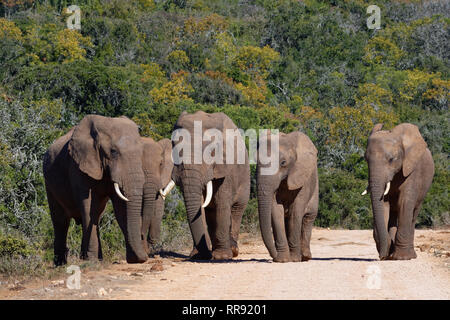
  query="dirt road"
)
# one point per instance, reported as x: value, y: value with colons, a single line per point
x: 345, y: 266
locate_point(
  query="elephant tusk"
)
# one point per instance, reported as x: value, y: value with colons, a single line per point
x: 364, y: 192
x: 121, y: 196
x: 388, y: 186
x: 209, y: 191
x: 167, y: 189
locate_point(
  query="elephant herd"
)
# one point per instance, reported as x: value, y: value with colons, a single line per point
x: 104, y: 159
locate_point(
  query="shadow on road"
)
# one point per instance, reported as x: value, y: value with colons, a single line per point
x: 171, y: 254
x: 230, y: 261
x: 344, y: 259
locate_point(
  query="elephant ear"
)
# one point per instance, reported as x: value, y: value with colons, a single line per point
x: 84, y: 150
x: 305, y: 163
x: 413, y: 146
x: 167, y: 162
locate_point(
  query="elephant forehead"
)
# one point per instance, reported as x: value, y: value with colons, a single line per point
x: 128, y: 142
x: 149, y: 143
x: 217, y: 120
x: 383, y: 134
x: 187, y: 120
x: 382, y: 140
x: 189, y: 124
x: 386, y: 147
x: 152, y: 150
x: 287, y: 142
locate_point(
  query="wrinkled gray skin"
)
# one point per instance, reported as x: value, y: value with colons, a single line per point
x: 288, y: 200
x: 231, y: 190
x: 80, y: 169
x: 399, y: 156
x: 157, y: 166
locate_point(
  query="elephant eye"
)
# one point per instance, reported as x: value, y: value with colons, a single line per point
x: 283, y: 163
x: 114, y: 153
x: 391, y: 159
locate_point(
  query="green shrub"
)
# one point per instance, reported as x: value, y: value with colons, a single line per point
x: 340, y: 201
x: 13, y: 247
x: 250, y: 218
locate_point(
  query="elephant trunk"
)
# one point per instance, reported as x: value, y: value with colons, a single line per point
x: 134, y: 239
x: 265, y: 196
x: 377, y: 188
x: 192, y: 188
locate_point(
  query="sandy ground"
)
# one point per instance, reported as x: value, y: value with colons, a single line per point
x: 344, y: 266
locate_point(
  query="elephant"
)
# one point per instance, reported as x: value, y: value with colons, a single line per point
x: 214, y: 219
x: 157, y: 166
x: 97, y: 160
x: 401, y: 171
x: 288, y: 199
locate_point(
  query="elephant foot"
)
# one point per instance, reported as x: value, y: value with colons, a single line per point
x: 194, y: 251
x: 295, y: 256
x: 282, y: 257
x: 195, y: 255
x: 133, y: 258
x: 136, y: 260
x: 87, y: 256
x: 59, y: 262
x: 306, y: 254
x: 403, y: 254
x: 222, y: 254
x: 61, y: 258
x: 235, y: 251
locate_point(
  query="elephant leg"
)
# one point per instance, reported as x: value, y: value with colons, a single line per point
x: 89, y: 242
x: 98, y: 208
x: 207, y: 214
x: 413, y: 226
x: 211, y: 222
x: 237, y: 211
x: 404, y: 238
x: 293, y: 231
x: 99, y: 244
x: 392, y: 225
x: 221, y: 236
x: 302, y: 215
x: 86, y: 225
x: 307, y: 225
x: 155, y: 226
x: 61, y: 227
x: 91, y: 208
x: 279, y: 232
x: 61, y: 224
x: 388, y: 220
x: 308, y: 222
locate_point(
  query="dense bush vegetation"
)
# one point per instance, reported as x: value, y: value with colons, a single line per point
x: 311, y: 65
